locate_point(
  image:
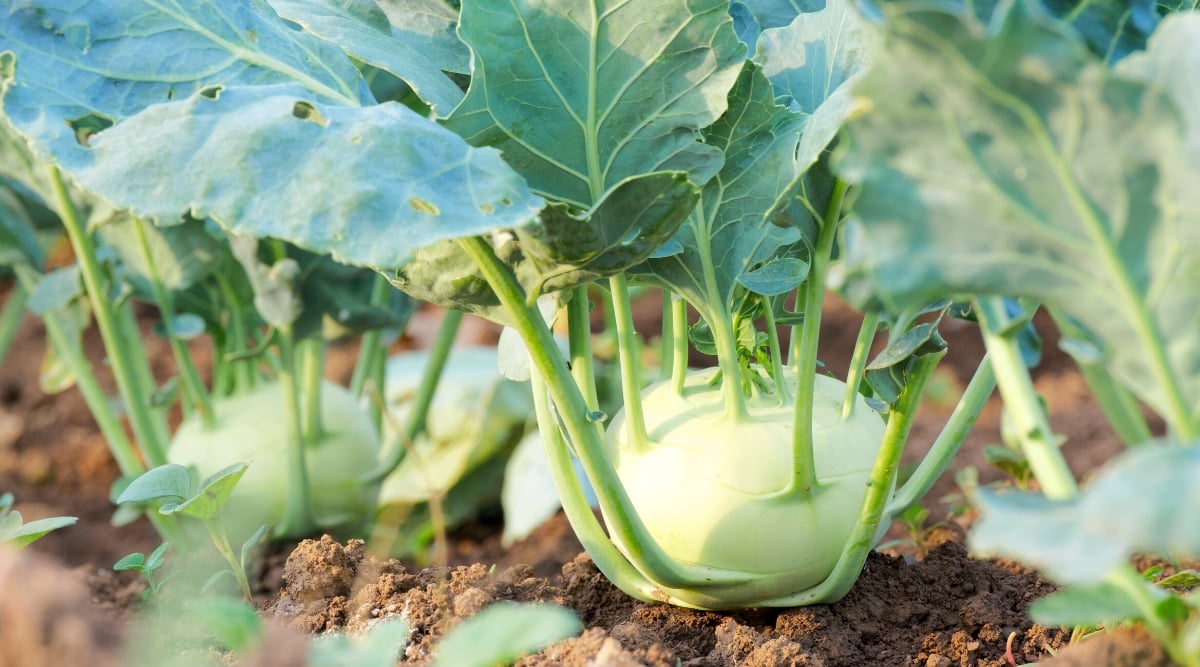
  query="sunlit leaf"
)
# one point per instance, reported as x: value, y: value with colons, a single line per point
x: 581, y: 96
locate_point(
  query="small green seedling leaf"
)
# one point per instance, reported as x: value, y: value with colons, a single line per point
x: 381, y: 646
x: 503, y: 633
x: 157, y: 557
x: 1181, y: 580
x: 134, y: 561
x: 214, y: 491
x: 18, y: 535
x: 253, y: 541
x: 170, y: 483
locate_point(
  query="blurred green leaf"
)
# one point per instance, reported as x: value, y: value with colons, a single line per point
x: 504, y: 632
x: 1144, y: 501
x: 1007, y: 159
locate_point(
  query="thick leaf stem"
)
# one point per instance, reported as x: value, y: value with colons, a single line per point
x: 879, y: 488
x: 579, y: 341
x: 1118, y: 404
x: 627, y: 354
x: 782, y: 393
x: 371, y: 350
x: 679, y: 339
x: 937, y: 459
x: 622, y: 518
x: 122, y: 450
x: 579, y: 513
x: 72, y: 355
x: 11, y: 317
x: 245, y: 376
x: 297, y: 515
x: 119, y: 346
x: 858, y: 362
x: 666, y: 341
x: 193, y: 384
x: 804, y: 474
x: 435, y: 365
x: 312, y: 353
x: 1021, y: 400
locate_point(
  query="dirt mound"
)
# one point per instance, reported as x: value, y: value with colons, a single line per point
x: 944, y: 610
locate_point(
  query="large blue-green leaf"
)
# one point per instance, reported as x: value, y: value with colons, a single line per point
x: 581, y: 96
x: 362, y: 29
x: 1012, y: 161
x: 730, y: 231
x: 812, y: 63
x: 811, y: 56
x: 751, y: 17
x: 1146, y: 501
x: 368, y: 184
x: 222, y: 109
x: 431, y: 25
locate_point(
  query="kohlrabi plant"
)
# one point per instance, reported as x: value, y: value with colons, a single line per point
x: 147, y: 566
x: 1011, y: 150
x: 655, y: 144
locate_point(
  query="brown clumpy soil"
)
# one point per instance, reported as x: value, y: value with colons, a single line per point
x: 944, y: 610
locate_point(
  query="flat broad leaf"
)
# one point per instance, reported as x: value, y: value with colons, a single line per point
x: 369, y: 185
x: 24, y: 534
x: 1010, y: 160
x: 430, y: 24
x: 777, y: 277
x: 214, y: 492
x: 504, y: 632
x: 812, y: 62
x: 751, y: 17
x: 362, y: 29
x: 583, y: 95
x: 170, y: 483
x: 222, y: 109
x: 729, y: 230
x: 811, y: 56
x: 1144, y: 501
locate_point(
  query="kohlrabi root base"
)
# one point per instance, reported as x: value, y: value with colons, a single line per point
x: 253, y: 427
x: 715, y: 492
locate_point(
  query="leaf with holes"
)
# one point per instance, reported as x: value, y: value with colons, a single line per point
x: 362, y: 29
x: 222, y: 110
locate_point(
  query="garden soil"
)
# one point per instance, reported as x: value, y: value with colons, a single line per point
x: 61, y: 604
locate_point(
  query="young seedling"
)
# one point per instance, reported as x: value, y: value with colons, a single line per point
x: 175, y: 491
x: 913, y: 519
x: 146, y: 566
x: 17, y: 534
